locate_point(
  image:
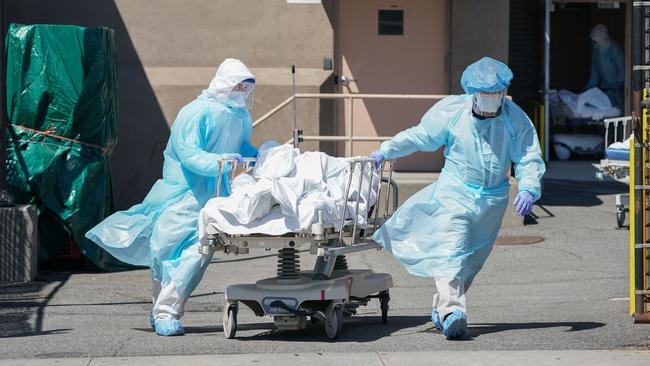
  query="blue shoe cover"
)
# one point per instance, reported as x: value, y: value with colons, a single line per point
x: 455, y: 325
x: 152, y: 320
x: 169, y: 327
x: 435, y: 318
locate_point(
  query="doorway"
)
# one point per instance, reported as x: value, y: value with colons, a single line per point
x: 576, y: 134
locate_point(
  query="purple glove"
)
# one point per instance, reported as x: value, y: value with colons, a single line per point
x: 378, y: 157
x: 523, y: 203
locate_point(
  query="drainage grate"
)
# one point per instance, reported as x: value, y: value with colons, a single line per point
x: 518, y: 240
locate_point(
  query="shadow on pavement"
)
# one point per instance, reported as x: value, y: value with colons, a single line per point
x: 478, y: 329
x: 355, y: 329
x: 574, y: 193
x: 19, y: 303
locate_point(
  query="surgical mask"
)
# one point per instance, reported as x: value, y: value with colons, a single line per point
x: 488, y: 103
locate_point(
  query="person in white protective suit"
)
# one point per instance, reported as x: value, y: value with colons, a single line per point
x: 447, y: 230
x: 161, y: 232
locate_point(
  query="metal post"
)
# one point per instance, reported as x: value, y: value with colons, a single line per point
x: 297, y: 133
x: 637, y: 126
x: 547, y: 61
x: 348, y: 128
x: 6, y: 198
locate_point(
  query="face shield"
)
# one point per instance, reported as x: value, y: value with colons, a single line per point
x: 241, y: 95
x: 488, y: 104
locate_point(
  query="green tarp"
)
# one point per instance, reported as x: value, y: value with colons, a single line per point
x: 62, y: 111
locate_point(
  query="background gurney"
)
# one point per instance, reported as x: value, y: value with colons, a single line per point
x: 572, y: 112
x: 617, y: 160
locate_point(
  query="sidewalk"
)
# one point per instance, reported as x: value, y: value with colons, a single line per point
x: 443, y: 358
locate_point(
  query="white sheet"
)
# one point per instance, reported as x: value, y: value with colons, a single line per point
x: 284, y: 193
x: 592, y: 103
x: 621, y: 145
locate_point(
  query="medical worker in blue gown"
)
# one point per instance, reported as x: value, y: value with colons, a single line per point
x: 161, y: 232
x: 607, y: 66
x: 447, y: 230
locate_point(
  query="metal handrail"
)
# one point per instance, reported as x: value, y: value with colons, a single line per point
x: 348, y: 138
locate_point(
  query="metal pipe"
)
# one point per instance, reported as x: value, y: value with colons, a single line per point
x: 348, y: 130
x: 345, y: 205
x: 219, y: 179
x: 378, y: 203
x: 372, y: 176
x: 637, y: 58
x: 370, y: 96
x: 638, y: 212
x: 356, y: 208
x: 273, y: 111
x: 296, y: 139
x: 390, y: 178
x: 344, y: 138
x: 638, y: 126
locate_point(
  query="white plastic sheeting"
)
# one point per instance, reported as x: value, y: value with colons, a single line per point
x: 285, y: 192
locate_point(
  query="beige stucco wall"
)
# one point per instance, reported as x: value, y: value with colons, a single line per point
x: 168, y: 51
x: 478, y: 28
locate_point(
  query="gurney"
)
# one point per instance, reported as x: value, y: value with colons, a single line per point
x: 574, y: 112
x: 331, y: 289
x: 617, y: 160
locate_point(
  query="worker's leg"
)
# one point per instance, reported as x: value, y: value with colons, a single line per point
x: 449, y: 295
x: 172, y: 240
x: 169, y: 304
x: 155, y: 289
x: 183, y: 275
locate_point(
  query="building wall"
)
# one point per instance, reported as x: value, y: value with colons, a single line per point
x: 168, y: 52
x: 478, y: 28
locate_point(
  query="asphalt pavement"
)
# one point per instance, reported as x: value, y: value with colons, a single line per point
x: 568, y: 292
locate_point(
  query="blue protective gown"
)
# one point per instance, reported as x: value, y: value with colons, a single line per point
x: 608, y: 72
x: 447, y: 230
x: 161, y: 232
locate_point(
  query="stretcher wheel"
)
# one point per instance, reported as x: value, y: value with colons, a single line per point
x: 230, y: 321
x: 384, y: 298
x: 333, y: 321
x: 620, y: 218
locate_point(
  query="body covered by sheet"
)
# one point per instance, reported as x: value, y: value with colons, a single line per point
x: 592, y: 103
x: 285, y: 192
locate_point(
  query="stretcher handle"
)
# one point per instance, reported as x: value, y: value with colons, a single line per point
x: 247, y: 165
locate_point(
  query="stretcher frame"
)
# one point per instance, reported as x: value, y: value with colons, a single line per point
x: 329, y: 291
x: 618, y: 169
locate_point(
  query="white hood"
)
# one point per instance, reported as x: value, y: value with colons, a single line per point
x: 230, y: 73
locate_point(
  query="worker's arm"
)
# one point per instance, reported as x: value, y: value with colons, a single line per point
x: 594, y: 76
x: 430, y: 134
x: 619, y: 62
x: 247, y: 150
x: 186, y: 142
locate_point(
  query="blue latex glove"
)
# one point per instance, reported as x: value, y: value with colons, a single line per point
x: 236, y: 157
x: 378, y: 157
x: 523, y: 203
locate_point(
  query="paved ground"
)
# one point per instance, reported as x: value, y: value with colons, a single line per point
x: 566, y: 293
x: 438, y: 358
